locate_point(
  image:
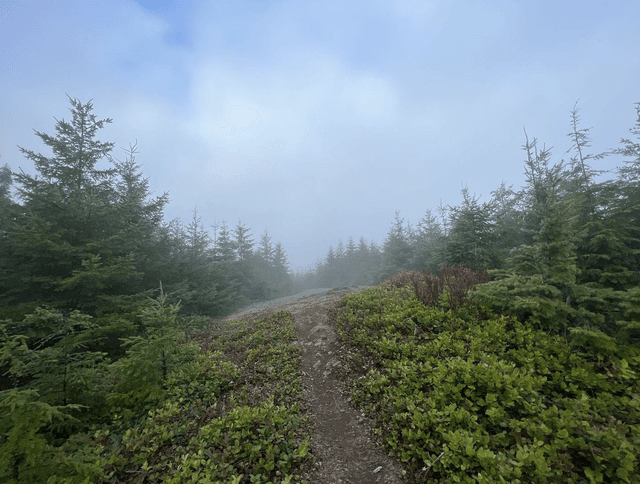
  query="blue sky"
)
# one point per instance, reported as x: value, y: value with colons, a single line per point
x: 318, y: 120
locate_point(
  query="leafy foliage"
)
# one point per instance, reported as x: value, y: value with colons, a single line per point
x: 459, y: 399
x: 232, y: 414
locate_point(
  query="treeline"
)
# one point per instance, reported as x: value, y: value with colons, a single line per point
x: 564, y: 250
x: 86, y: 238
x: 97, y: 292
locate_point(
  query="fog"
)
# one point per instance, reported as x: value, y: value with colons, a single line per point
x: 319, y: 120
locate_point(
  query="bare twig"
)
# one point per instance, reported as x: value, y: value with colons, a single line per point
x: 426, y: 471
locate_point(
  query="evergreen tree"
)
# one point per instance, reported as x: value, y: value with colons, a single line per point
x: 243, y: 242
x: 533, y: 197
x: 428, y: 244
x: 283, y: 278
x: 6, y: 180
x: 396, y: 249
x: 8, y: 215
x: 341, y: 270
x: 327, y: 276
x: 471, y: 238
x: 68, y: 247
x: 224, y: 245
x: 265, y: 250
x: 627, y: 203
x: 507, y: 222
x: 199, y: 285
x: 580, y: 175
x: 140, y: 219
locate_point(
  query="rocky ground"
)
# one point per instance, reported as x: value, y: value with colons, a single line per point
x: 343, y: 441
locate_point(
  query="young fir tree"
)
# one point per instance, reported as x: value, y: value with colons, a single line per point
x: 140, y: 217
x: 539, y: 281
x: 581, y: 176
x: 471, y: 238
x: 9, y: 212
x: 66, y: 247
x: 327, y: 270
x: 142, y: 374
x: 247, y: 267
x: 396, y: 249
x: 627, y: 205
x: 224, y: 257
x: 265, y: 251
x: 427, y: 250
x: 199, y: 282
x: 507, y: 222
x: 283, y: 278
x: 625, y: 215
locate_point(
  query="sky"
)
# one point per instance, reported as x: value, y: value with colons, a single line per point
x: 318, y: 120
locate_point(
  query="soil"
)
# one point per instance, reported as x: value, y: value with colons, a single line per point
x: 343, y: 443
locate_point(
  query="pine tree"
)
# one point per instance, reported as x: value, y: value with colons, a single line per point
x: 140, y: 219
x: 627, y: 204
x: 534, y: 195
x: 327, y: 276
x: 142, y: 375
x: 6, y: 180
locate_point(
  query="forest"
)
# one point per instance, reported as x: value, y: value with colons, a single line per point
x: 100, y: 297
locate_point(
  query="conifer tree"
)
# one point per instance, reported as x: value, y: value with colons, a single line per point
x: 428, y: 244
x: 396, y: 249
x: 508, y: 220
x: 282, y: 270
x: 243, y: 242
x: 8, y: 215
x: 66, y: 248
x: 140, y: 218
x: 627, y: 186
x: 265, y: 250
x: 581, y: 175
x: 471, y: 238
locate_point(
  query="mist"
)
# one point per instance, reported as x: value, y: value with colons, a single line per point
x: 318, y: 121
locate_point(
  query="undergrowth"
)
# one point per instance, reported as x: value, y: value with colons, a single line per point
x: 461, y: 397
x: 232, y: 415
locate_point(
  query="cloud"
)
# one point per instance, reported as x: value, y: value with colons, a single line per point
x: 318, y: 119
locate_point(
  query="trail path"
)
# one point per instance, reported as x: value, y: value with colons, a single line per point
x: 342, y: 442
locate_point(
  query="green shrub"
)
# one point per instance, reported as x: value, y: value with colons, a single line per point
x: 231, y: 414
x: 463, y: 400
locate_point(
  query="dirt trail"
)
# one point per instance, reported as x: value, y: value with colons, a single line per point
x: 343, y: 442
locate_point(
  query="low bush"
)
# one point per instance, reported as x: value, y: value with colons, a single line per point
x: 232, y: 414
x: 458, y: 399
x: 450, y: 287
